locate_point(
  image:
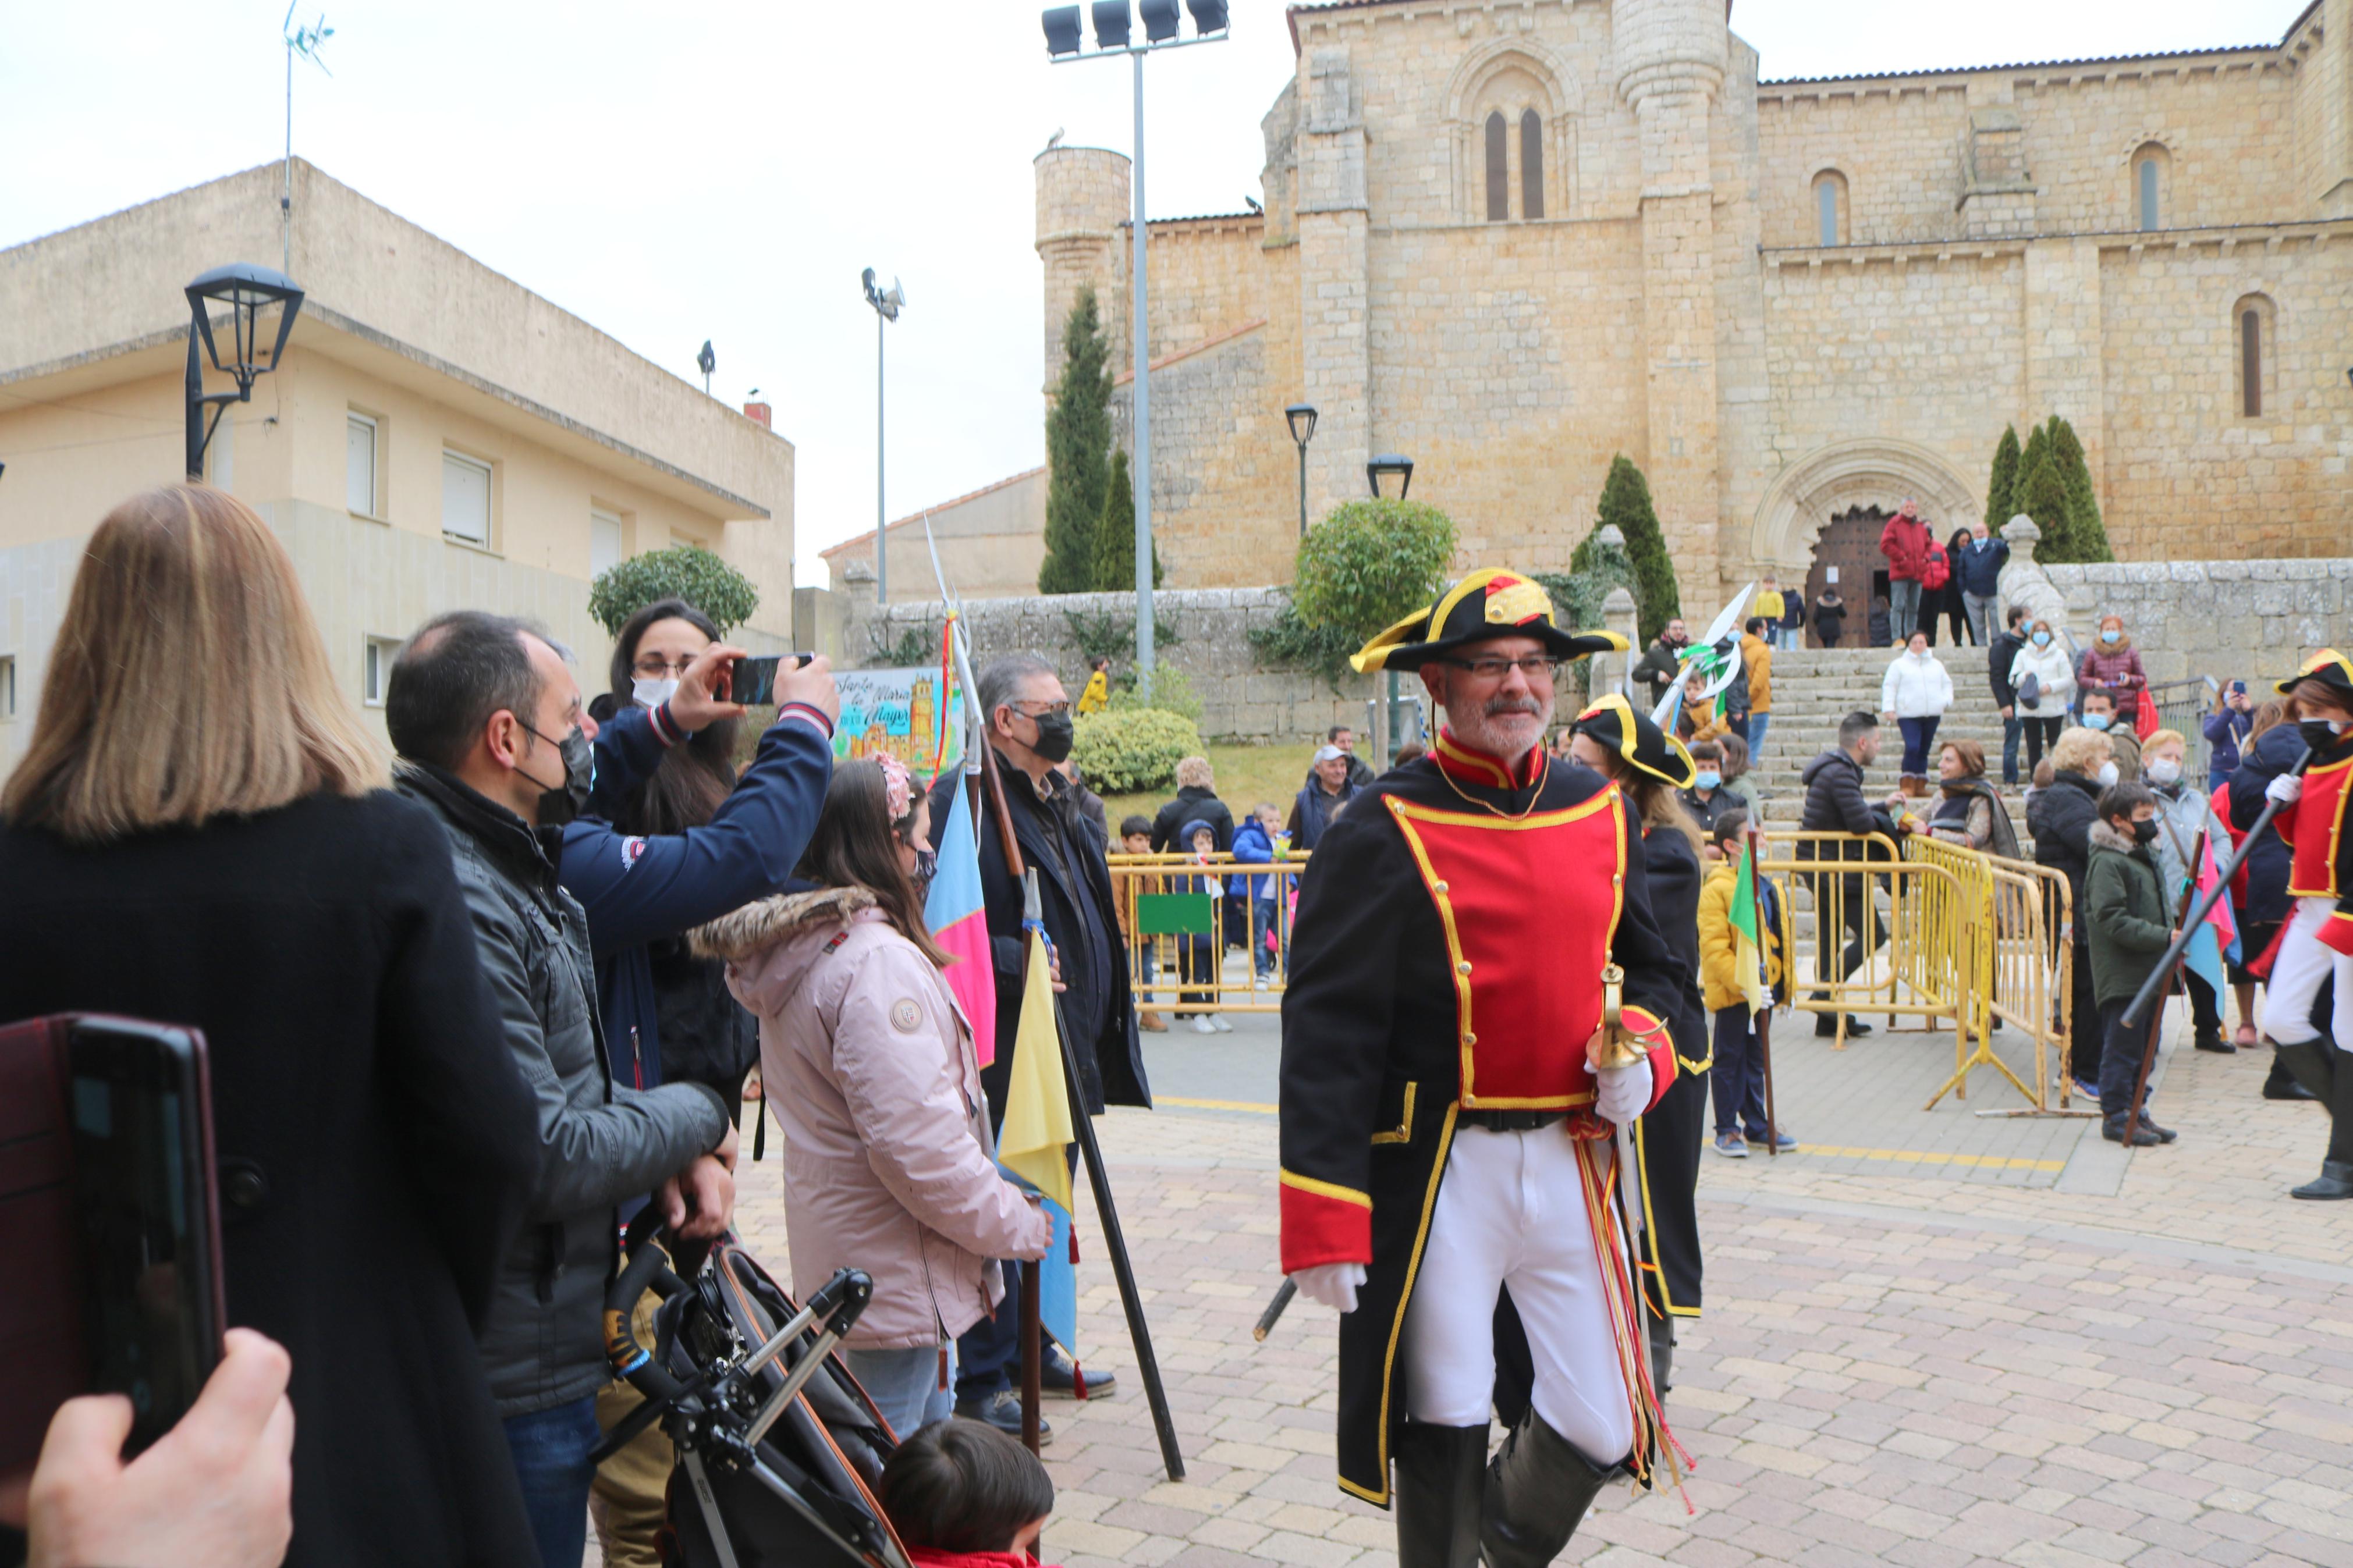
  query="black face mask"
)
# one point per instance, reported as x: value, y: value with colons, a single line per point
x: 2145, y: 831
x: 1056, y: 735
x: 564, y: 802
x: 2318, y: 735
x: 927, y: 866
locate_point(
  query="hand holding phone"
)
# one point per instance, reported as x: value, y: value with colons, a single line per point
x: 702, y: 699
x: 811, y: 681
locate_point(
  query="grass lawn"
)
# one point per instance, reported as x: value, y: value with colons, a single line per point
x: 1245, y: 776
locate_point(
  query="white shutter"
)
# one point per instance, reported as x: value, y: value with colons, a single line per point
x: 465, y: 498
x: 359, y: 465
x: 604, y: 541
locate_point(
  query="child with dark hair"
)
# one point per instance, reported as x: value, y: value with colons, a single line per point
x: 1736, y: 1078
x: 1136, y: 838
x: 2125, y: 911
x: 962, y: 1494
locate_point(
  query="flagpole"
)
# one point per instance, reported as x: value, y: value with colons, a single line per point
x: 2157, y: 1013
x: 1764, y: 1020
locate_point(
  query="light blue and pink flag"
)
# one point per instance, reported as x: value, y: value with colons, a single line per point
x: 959, y: 923
x: 2218, y: 936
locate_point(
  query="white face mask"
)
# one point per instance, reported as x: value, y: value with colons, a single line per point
x: 653, y: 693
x: 2164, y: 769
x: 2106, y: 775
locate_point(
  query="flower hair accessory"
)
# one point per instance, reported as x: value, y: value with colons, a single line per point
x: 898, y: 786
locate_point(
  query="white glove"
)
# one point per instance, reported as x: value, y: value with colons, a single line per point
x: 2287, y: 789
x: 1625, y: 1092
x: 1332, y: 1284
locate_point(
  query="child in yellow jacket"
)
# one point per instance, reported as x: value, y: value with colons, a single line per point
x: 1737, y: 1078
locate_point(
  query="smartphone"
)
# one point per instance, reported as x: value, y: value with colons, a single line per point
x: 753, y: 681
x: 148, y: 1215
x: 2238, y: 688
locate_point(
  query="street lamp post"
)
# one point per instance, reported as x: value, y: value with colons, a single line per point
x: 247, y: 290
x: 1385, y: 466
x: 888, y: 303
x: 1113, y: 37
x: 1302, y: 417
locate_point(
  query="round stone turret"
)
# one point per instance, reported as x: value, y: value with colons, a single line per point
x: 1082, y: 205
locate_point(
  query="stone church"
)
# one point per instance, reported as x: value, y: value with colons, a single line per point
x: 1510, y: 238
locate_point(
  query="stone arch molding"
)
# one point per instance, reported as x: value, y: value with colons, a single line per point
x: 1536, y: 58
x: 1876, y: 471
x: 1557, y: 85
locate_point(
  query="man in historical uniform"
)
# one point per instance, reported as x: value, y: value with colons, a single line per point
x: 1475, y: 1002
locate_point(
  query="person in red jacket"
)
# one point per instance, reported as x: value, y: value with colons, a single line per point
x: 1905, y: 542
x: 2317, y: 944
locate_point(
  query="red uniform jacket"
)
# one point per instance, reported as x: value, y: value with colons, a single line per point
x: 2316, y: 831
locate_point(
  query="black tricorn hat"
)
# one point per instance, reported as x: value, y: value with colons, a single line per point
x: 1490, y: 603
x: 1614, y: 726
x: 2329, y: 669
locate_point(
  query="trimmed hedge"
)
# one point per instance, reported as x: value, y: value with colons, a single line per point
x: 1127, y: 750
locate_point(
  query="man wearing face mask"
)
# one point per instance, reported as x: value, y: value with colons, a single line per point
x: 2124, y: 747
x: 493, y: 739
x: 1028, y: 715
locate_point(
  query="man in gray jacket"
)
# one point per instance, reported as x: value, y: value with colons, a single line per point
x: 488, y: 720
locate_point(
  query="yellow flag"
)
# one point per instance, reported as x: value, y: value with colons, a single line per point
x: 1037, y: 1106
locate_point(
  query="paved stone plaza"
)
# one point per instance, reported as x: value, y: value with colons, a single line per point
x: 1910, y: 1355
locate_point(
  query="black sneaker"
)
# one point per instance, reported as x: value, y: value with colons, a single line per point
x: 2279, y: 1086
x: 2216, y: 1043
x: 1055, y: 1382
x: 2164, y: 1134
x: 1002, y: 1410
x: 2143, y: 1137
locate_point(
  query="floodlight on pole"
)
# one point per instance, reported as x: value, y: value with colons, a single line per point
x: 706, y: 362
x: 1114, y: 30
x: 1302, y: 419
x: 247, y: 290
x: 888, y: 303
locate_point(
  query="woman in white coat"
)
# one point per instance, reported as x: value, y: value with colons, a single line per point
x: 2054, y: 693
x: 1915, y: 692
x: 867, y: 1065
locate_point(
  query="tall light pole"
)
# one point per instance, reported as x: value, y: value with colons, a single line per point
x: 1113, y: 37
x: 1302, y: 418
x: 1388, y: 465
x: 888, y: 303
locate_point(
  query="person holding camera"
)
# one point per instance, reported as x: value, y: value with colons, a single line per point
x: 494, y: 740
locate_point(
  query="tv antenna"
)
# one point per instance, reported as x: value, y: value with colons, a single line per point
x: 305, y: 42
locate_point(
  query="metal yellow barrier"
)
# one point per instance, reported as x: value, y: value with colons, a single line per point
x: 1176, y: 930
x: 1882, y: 926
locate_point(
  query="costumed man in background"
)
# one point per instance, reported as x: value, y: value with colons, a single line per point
x: 2316, y: 943
x: 1649, y: 768
x: 1477, y: 999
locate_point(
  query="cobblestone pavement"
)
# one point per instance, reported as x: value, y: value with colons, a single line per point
x: 2142, y: 1359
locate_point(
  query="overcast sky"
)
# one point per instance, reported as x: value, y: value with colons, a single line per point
x: 725, y: 169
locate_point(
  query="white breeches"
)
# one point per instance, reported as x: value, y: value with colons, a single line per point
x: 2304, y: 962
x: 1510, y: 1211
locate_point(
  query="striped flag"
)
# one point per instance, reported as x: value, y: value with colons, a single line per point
x: 2218, y: 935
x: 1034, y: 1143
x: 953, y: 909
x: 1747, y: 942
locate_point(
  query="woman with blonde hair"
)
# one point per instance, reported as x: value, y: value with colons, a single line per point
x: 199, y: 833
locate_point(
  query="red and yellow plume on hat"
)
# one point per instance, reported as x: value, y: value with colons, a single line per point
x: 2327, y: 667
x: 1489, y: 602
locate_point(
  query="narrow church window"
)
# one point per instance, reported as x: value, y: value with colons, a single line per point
x: 2149, y: 214
x: 1499, y: 188
x: 2250, y: 362
x: 1531, y: 164
x: 1829, y: 195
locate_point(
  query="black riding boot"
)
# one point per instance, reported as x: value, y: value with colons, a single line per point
x: 1662, y: 1352
x: 2315, y: 1066
x: 1538, y: 1488
x: 1441, y: 1471
x: 2307, y: 1063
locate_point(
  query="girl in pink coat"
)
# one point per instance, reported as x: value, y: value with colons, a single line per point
x: 869, y: 1068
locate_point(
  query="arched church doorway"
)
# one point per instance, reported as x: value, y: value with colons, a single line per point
x: 1847, y: 557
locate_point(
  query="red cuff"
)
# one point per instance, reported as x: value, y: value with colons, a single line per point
x: 2338, y: 932
x: 1324, y: 1222
x: 1656, y: 1043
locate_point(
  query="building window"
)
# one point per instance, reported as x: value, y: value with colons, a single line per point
x: 360, y: 433
x: 1531, y: 164
x: 2254, y: 326
x: 7, y: 686
x: 466, y: 499
x: 2149, y: 167
x: 1830, y: 207
x: 376, y: 655
x: 1499, y: 184
x: 604, y: 541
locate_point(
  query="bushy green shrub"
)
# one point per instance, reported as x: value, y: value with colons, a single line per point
x: 1129, y: 749
x: 685, y: 572
x: 1291, y: 643
x: 1371, y: 563
x: 1172, y: 692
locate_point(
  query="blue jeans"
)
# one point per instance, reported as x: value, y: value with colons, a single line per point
x: 1919, y: 738
x: 1262, y: 920
x: 1736, y: 1082
x: 1758, y: 724
x: 550, y: 1459
x: 2013, y: 727
x: 989, y: 1353
x: 904, y: 1386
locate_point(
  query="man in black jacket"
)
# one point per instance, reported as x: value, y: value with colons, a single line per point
x: 1661, y: 665
x: 2000, y: 656
x: 1835, y: 803
x: 1029, y: 720
x: 488, y: 720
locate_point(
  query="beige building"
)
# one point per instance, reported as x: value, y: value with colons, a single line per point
x: 436, y: 436
x: 1509, y: 240
x: 991, y: 543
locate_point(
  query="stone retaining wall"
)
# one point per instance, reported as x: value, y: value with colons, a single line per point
x: 2228, y: 619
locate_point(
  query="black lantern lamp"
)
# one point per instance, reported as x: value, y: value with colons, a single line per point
x: 247, y: 290
x: 1390, y: 463
x: 1302, y: 417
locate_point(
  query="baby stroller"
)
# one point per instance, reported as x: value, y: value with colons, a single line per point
x: 778, y: 1449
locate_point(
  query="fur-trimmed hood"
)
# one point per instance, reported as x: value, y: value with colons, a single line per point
x: 2104, y: 837
x: 757, y: 927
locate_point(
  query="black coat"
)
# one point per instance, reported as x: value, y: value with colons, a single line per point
x: 357, y: 1065
x: 2000, y: 654
x: 1074, y: 889
x: 1667, y: 1138
x: 2270, y: 755
x: 2061, y: 820
x: 1193, y: 803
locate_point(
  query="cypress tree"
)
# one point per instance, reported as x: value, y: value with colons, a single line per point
x: 2003, y: 488
x: 2035, y: 453
x: 1114, y: 568
x: 2041, y: 495
x: 1078, y: 448
x: 1626, y: 501
x: 2088, y: 536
